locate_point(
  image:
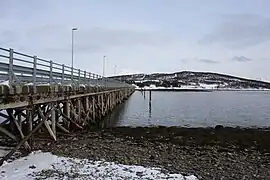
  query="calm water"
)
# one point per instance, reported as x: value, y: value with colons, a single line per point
x: 194, y: 109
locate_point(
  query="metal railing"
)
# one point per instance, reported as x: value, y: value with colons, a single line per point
x: 20, y: 69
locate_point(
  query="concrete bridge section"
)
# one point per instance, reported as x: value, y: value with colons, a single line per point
x: 40, y: 96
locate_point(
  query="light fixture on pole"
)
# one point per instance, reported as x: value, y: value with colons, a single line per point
x: 115, y: 70
x: 72, y: 44
x: 104, y: 58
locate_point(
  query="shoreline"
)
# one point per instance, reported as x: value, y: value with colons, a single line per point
x: 207, y: 153
x: 202, y: 90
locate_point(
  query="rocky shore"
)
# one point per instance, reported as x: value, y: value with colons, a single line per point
x: 208, y: 153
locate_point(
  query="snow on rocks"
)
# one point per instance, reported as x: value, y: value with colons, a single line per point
x: 5, y: 83
x: 49, y: 166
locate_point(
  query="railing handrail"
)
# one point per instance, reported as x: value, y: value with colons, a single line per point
x: 50, y: 69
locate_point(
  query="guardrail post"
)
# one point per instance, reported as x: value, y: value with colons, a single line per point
x: 84, y: 77
x: 79, y: 77
x: 89, y: 79
x: 63, y: 73
x: 51, y: 77
x: 96, y: 79
x: 99, y: 80
x: 105, y: 82
x: 10, y: 72
x: 35, y: 75
x: 72, y: 80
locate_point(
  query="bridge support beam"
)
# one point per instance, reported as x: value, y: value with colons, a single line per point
x: 48, y: 116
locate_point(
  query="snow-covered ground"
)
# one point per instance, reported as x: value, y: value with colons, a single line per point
x: 5, y: 83
x: 4, y: 150
x: 45, y: 165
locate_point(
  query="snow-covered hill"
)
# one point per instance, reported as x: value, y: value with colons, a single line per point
x: 193, y: 79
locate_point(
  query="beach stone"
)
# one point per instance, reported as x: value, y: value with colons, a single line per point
x: 219, y: 127
x: 205, y: 155
x: 32, y: 167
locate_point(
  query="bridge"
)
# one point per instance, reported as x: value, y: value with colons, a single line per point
x: 39, y: 96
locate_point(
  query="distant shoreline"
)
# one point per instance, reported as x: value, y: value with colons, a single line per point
x: 196, y: 90
x: 187, y: 90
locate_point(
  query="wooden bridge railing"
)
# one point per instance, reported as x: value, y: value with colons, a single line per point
x: 20, y: 69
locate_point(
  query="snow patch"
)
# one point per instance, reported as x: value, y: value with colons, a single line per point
x: 46, y: 165
x: 4, y: 150
x: 209, y: 86
x: 5, y: 83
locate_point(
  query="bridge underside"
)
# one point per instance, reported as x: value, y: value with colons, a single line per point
x: 53, y: 109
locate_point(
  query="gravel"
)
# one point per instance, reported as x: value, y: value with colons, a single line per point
x: 208, y: 153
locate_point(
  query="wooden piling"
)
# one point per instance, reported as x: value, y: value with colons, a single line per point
x: 66, y: 113
x: 53, y: 119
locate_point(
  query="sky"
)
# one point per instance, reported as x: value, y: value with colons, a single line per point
x: 143, y: 36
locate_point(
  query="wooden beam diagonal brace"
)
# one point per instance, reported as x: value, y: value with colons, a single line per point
x: 23, y: 141
x: 11, y: 115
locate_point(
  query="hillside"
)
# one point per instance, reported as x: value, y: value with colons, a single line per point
x: 195, y: 79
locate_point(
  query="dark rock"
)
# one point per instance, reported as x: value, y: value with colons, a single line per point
x: 32, y: 167
x: 139, y: 173
x: 219, y: 127
x: 219, y: 155
x: 151, y: 157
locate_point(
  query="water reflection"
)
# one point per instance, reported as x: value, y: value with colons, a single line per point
x: 112, y: 119
x: 196, y: 109
x: 193, y: 109
x: 150, y: 107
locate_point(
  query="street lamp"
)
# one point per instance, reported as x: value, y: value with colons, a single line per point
x: 104, y: 58
x: 72, y: 43
x: 115, y: 69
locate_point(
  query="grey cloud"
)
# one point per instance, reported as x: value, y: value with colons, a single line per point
x: 21, y: 9
x: 184, y: 60
x: 95, y: 38
x: 240, y: 31
x: 7, y: 37
x: 108, y: 38
x: 241, y: 59
x: 208, y: 61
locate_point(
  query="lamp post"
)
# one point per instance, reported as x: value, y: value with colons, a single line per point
x: 72, y: 48
x: 115, y: 70
x: 104, y: 58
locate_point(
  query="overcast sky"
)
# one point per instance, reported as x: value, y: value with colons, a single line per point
x: 226, y: 36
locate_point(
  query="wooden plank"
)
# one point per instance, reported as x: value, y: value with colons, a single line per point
x: 9, y: 134
x: 86, y: 103
x: 67, y: 118
x: 108, y: 103
x: 49, y: 130
x: 46, y: 123
x: 79, y: 120
x: 94, y: 109
x: 102, y: 105
x: 20, y: 111
x: 50, y: 99
x: 73, y: 112
x: 29, y: 120
x: 62, y: 128
x: 11, y: 115
x: 67, y: 113
x: 20, y: 120
x: 53, y: 120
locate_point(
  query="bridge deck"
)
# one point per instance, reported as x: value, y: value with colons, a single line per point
x: 24, y: 96
x: 37, y: 95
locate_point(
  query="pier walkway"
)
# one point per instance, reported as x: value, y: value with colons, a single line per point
x: 41, y: 96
